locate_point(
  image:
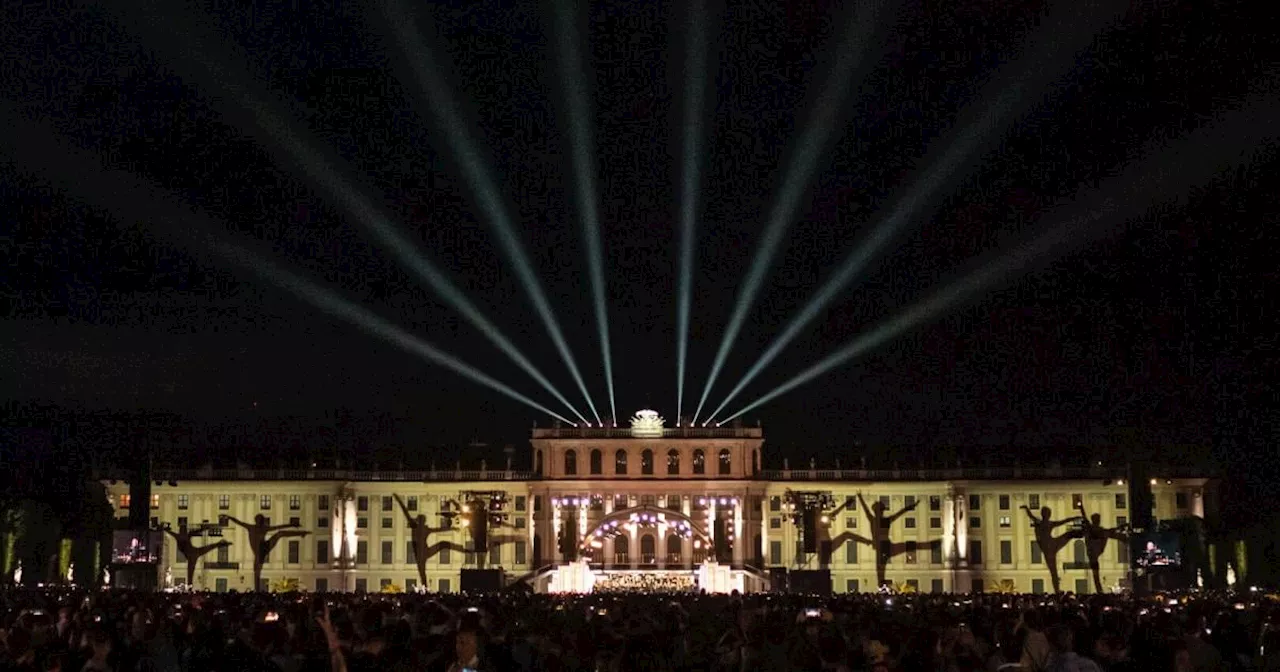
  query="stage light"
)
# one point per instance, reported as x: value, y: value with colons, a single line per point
x: 1149, y: 182
x: 796, y: 178
x: 206, y: 59
x: 582, y: 154
x: 134, y: 200
x: 976, y: 132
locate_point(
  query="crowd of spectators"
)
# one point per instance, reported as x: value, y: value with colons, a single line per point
x: 118, y: 631
x: 644, y: 582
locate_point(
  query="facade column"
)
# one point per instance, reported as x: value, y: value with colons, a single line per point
x: 608, y: 549
x: 686, y: 544
x: 711, y: 527
x: 738, y: 542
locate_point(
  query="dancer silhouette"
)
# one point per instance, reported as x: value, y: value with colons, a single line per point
x: 879, y: 541
x: 422, y: 532
x: 183, y: 538
x: 1049, y: 544
x: 261, y: 541
x: 1095, y: 538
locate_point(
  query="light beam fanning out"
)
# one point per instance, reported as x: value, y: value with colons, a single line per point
x: 692, y: 131
x: 203, y: 58
x: 1164, y: 176
x: 974, y: 134
x: 132, y: 199
x: 439, y: 98
x: 574, y: 81
x: 804, y: 161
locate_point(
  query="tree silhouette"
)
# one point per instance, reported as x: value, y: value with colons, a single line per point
x: 261, y: 541
x: 421, y: 532
x: 183, y: 538
x: 1095, y: 538
x: 1049, y: 544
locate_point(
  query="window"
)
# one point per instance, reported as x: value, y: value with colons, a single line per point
x: 775, y: 503
x: 387, y: 503
x: 1006, y: 521
x: 699, y: 461
x: 1077, y: 501
x: 155, y: 501
x: 1082, y: 586
x: 1004, y: 502
x: 410, y: 555
x: 322, y: 502
x: 1122, y: 552
x: 322, y: 585
x: 909, y: 500
x: 412, y: 503
x: 537, y: 503
x: 182, y: 523
x: 295, y: 521
x: 935, y: 503
x: 1080, y: 554
x: 620, y: 462
x: 522, y: 553
x: 1122, y: 502
x: 570, y: 463
x: 1036, y: 557
x: 362, y: 522
x: 851, y: 522
x: 224, y: 554
x: 620, y: 502
x: 975, y: 551
x: 595, y: 463
x: 386, y: 522
x: 775, y: 552
x: 322, y: 552
x: 646, y: 462
x: 975, y: 522
x: 522, y: 503
x: 726, y: 462
x: 387, y: 553
x: 220, y: 585
x: 935, y: 523
x: 935, y: 553
x: 295, y: 502
x: 935, y: 585
x: 975, y: 502
x: 446, y: 557
x: 444, y: 586
x: 1180, y: 500
x: 294, y: 552
x: 1121, y: 521
x: 184, y: 501
x: 911, y: 553
x: 362, y: 552
x: 1037, y: 586
x: 264, y: 502
x: 851, y: 552
x: 362, y: 503
x: 1033, y: 501
x: 884, y: 502
x: 537, y: 463
x: 910, y: 523
x: 851, y: 585
x: 520, y: 522
x: 1006, y: 552
x: 362, y: 585
x: 322, y: 522
x: 775, y: 523
x: 673, y: 462
x: 224, y: 502
x: 914, y: 584
x: 410, y: 586
x: 495, y: 555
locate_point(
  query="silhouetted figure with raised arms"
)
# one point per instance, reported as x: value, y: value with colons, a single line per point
x: 1095, y: 539
x: 422, y: 532
x: 184, y: 540
x: 1049, y: 544
x: 880, y: 524
x: 261, y: 541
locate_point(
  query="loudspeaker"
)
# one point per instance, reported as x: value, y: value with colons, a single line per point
x: 140, y: 497
x: 810, y: 530
x: 778, y: 580
x: 481, y: 580
x: 479, y: 527
x: 721, y: 539
x: 1141, y: 498
x: 811, y: 581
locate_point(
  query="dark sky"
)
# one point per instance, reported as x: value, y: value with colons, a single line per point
x: 1162, y: 334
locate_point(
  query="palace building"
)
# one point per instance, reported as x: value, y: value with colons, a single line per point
x: 653, y: 507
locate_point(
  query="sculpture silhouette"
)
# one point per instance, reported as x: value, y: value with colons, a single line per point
x: 421, y: 532
x: 1049, y: 544
x: 1095, y: 540
x: 261, y: 541
x: 879, y: 542
x: 183, y: 539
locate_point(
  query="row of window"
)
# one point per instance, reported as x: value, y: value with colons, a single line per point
x: 293, y: 554
x: 295, y: 502
x: 909, y: 552
x: 1082, y: 586
x: 410, y: 585
x: 935, y: 522
x: 595, y: 462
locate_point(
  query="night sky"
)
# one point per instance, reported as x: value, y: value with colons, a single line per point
x: 1161, y: 333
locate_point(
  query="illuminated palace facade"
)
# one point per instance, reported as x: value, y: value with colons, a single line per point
x: 621, y: 506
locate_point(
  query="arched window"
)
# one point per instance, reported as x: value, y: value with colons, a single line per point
x: 570, y: 463
x: 673, y: 549
x: 726, y: 463
x: 646, y: 462
x: 537, y: 463
x: 755, y: 462
x: 699, y: 462
x: 648, y: 549
x: 620, y: 548
x: 620, y: 462
x: 596, y: 462
x: 673, y: 462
